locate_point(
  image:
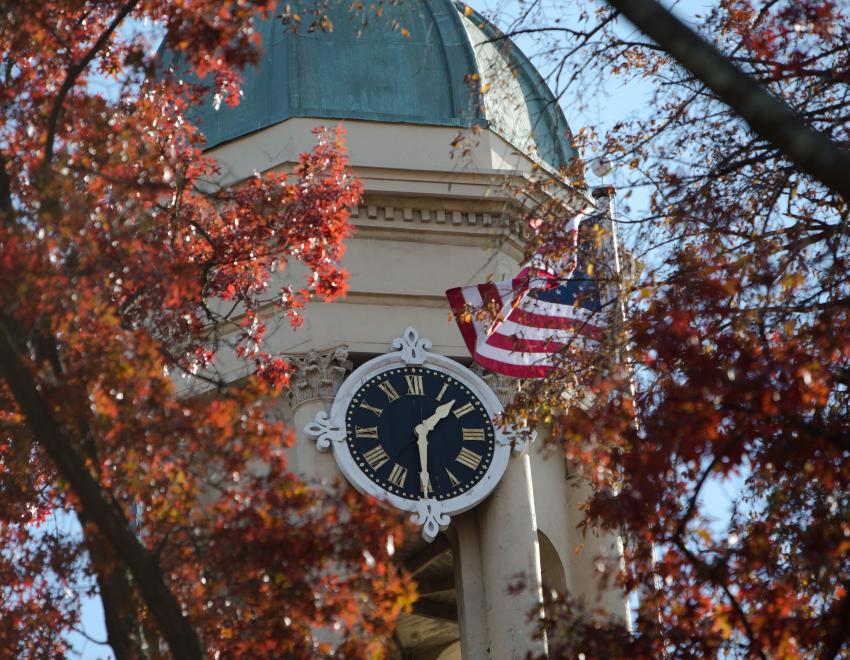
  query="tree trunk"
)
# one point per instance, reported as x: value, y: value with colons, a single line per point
x: 110, y: 520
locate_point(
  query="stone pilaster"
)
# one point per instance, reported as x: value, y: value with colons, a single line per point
x: 315, y: 380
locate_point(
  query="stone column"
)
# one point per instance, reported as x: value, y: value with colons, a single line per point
x: 503, y: 546
x: 315, y: 380
x: 509, y: 549
x: 469, y: 586
x: 599, y: 551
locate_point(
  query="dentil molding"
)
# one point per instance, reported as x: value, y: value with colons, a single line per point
x: 417, y: 215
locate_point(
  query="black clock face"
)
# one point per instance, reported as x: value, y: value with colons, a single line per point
x: 419, y: 432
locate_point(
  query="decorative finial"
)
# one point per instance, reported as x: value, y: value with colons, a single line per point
x: 601, y: 166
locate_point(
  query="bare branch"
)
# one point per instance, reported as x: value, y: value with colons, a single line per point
x: 812, y: 151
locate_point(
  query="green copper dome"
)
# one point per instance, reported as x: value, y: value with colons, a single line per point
x: 426, y: 62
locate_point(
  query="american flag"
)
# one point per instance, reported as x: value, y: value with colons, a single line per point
x: 517, y: 327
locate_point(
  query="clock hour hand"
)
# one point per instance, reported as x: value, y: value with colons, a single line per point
x: 439, y: 413
x: 421, y: 431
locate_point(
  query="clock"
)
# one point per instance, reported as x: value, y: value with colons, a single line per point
x: 418, y: 431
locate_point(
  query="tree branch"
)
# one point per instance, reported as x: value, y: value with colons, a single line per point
x: 813, y: 152
x: 146, y: 572
x: 838, y: 620
x: 754, y: 646
x: 120, y: 605
x: 7, y: 210
x: 74, y: 73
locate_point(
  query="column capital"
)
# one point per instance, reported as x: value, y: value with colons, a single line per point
x: 318, y: 374
x: 505, y: 387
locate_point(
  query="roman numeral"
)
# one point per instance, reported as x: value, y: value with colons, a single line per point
x: 472, y: 434
x: 398, y: 475
x: 460, y: 412
x: 366, y: 432
x: 442, y: 391
x: 414, y: 385
x: 455, y: 481
x: 389, y: 390
x: 375, y: 410
x: 376, y: 457
x: 468, y: 458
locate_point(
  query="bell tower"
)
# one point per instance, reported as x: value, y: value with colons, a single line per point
x: 444, y: 119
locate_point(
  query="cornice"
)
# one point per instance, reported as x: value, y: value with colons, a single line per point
x: 433, y: 216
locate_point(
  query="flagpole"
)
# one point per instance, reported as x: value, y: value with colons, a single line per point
x: 604, y: 196
x: 610, y: 260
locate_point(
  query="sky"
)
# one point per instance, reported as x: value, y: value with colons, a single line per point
x: 613, y: 101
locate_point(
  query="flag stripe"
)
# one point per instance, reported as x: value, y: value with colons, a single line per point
x: 533, y: 333
x: 519, y: 327
x: 508, y: 362
x: 520, y: 343
x: 542, y: 321
x: 556, y: 310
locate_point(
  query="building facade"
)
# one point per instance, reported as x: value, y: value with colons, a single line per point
x: 445, y: 121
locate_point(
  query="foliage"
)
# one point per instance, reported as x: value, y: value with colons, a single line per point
x: 738, y: 338
x: 126, y: 274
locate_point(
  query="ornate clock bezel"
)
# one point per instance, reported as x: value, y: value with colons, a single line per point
x: 432, y: 514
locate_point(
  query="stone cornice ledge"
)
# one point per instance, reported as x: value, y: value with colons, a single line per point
x: 417, y: 215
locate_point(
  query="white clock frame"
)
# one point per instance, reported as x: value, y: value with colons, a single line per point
x: 432, y: 514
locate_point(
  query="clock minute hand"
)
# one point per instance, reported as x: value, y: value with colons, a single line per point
x: 422, y: 442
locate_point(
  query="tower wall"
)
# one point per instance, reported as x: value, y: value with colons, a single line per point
x: 427, y: 222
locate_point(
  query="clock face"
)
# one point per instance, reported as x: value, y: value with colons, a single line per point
x: 418, y: 432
